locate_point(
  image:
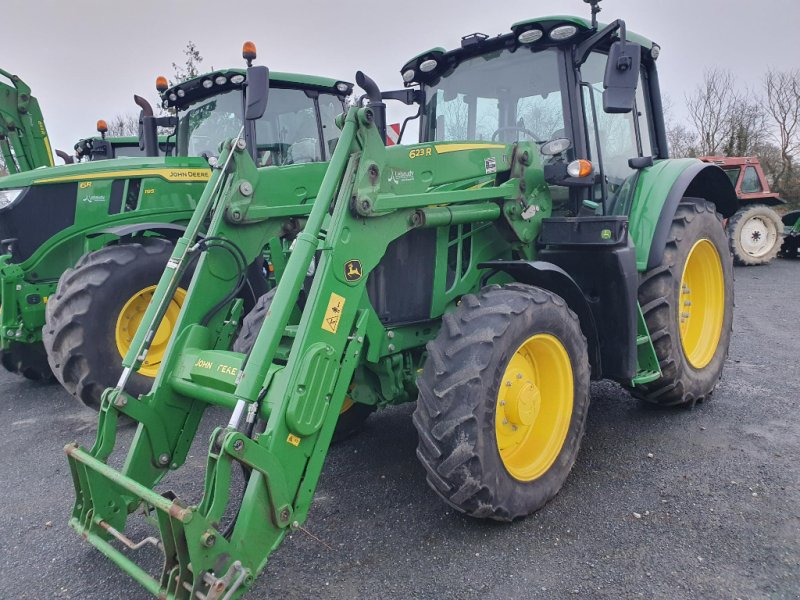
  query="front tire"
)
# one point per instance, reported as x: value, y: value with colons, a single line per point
x: 92, y: 317
x: 687, y: 303
x: 755, y: 233
x: 502, y: 401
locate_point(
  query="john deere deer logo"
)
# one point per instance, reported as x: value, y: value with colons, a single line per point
x: 352, y: 270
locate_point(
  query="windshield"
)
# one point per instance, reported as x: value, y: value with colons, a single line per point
x: 287, y: 133
x: 502, y: 97
x: 207, y: 123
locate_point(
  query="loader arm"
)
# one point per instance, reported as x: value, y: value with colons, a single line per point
x: 295, y: 378
x: 23, y: 137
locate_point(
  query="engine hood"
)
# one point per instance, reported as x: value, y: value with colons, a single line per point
x: 169, y: 168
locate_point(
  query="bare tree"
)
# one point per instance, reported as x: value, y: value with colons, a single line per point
x: 783, y: 104
x: 709, y: 107
x: 124, y: 125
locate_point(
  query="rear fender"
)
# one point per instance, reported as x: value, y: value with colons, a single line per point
x: 169, y: 230
x: 659, y: 191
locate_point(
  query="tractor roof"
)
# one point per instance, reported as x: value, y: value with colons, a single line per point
x: 480, y: 44
x: 207, y: 85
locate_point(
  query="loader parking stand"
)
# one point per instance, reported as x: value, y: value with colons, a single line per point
x: 267, y: 347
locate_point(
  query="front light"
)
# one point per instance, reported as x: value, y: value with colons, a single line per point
x: 559, y: 34
x: 428, y: 65
x: 655, y: 51
x: 237, y: 79
x: 207, y: 83
x: 8, y: 197
x: 408, y: 75
x: 181, y: 93
x: 220, y: 80
x: 580, y: 168
x: 530, y: 36
x: 342, y: 87
x: 173, y: 97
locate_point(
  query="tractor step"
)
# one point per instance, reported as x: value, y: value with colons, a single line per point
x: 648, y: 369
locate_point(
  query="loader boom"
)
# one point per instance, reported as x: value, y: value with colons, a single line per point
x: 23, y: 137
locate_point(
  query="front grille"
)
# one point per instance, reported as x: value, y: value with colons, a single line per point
x: 39, y: 213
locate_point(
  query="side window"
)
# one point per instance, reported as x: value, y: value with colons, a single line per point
x: 751, y: 184
x: 616, y: 134
x: 645, y: 120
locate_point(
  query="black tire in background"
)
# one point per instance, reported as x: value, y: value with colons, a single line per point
x: 28, y: 360
x: 460, y: 393
x: 661, y: 298
x: 353, y: 414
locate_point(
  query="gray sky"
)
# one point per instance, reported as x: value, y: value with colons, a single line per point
x: 85, y: 59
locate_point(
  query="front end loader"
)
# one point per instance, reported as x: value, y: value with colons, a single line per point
x: 24, y: 144
x: 537, y: 238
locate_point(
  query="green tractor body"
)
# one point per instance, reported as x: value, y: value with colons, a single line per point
x: 538, y: 237
x: 53, y: 219
x: 24, y: 144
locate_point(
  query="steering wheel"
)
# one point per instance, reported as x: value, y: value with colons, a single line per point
x: 527, y: 132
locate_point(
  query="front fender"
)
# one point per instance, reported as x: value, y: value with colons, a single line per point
x: 660, y: 189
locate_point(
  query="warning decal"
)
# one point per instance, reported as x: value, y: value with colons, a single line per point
x: 333, y: 313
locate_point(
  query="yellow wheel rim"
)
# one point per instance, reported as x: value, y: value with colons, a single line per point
x: 534, y: 407
x: 701, y: 304
x: 128, y: 322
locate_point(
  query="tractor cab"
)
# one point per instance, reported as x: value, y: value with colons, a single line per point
x: 586, y: 95
x: 296, y: 127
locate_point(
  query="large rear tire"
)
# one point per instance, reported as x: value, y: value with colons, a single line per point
x: 687, y: 303
x: 352, y: 415
x: 755, y: 233
x: 28, y: 360
x: 502, y: 401
x: 92, y: 317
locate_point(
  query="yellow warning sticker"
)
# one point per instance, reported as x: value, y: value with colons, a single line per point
x: 293, y: 440
x: 333, y: 314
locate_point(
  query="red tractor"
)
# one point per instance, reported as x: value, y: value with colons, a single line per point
x: 755, y: 232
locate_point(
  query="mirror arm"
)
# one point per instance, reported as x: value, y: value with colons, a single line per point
x: 407, y: 96
x: 585, y: 48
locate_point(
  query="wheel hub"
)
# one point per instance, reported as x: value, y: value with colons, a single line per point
x: 701, y: 308
x: 534, y: 407
x: 758, y: 236
x: 523, y: 400
x: 131, y: 316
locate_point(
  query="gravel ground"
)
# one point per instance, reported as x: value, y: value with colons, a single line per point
x: 661, y: 504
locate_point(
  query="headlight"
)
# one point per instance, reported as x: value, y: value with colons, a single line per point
x: 428, y: 65
x: 236, y: 79
x: 8, y: 197
x: 559, y: 34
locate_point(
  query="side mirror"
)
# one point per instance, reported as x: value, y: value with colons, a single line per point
x: 256, y: 92
x: 622, y: 77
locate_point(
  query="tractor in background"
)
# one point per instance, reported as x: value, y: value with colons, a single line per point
x: 755, y: 231
x: 538, y: 237
x: 115, y: 221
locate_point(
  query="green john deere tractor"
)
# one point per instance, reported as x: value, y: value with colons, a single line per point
x: 103, y: 147
x: 537, y: 238
x: 24, y: 144
x: 105, y: 229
